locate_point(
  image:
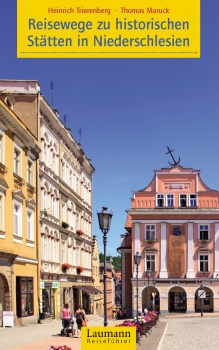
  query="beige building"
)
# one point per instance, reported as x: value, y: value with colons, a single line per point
x: 19, y: 243
x: 97, y: 300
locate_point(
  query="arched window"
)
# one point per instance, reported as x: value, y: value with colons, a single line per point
x: 45, y: 247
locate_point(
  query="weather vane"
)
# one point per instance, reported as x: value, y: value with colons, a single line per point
x: 170, y: 152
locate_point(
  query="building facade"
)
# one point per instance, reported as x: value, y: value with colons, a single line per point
x: 110, y: 287
x: 97, y: 300
x: 19, y: 269
x: 64, y: 193
x: 174, y: 224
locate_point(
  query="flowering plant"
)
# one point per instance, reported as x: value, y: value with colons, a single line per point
x: 129, y: 323
x: 139, y: 319
x: 80, y: 268
x: 66, y: 266
x: 56, y: 347
x: 80, y: 232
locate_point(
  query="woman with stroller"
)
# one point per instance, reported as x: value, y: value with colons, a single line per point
x: 80, y: 315
x: 66, y: 318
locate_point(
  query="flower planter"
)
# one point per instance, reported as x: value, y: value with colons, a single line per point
x: 64, y: 225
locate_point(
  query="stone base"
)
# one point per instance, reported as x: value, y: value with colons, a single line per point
x: 24, y: 321
x: 163, y: 274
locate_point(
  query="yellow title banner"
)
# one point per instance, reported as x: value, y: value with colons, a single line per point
x: 97, y: 338
x: 106, y: 29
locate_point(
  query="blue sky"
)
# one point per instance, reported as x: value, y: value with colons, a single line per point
x: 130, y: 110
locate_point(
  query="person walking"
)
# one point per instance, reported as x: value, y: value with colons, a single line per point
x: 80, y: 315
x: 114, y: 314
x: 66, y: 317
x: 145, y: 311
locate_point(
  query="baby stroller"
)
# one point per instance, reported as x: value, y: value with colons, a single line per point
x: 70, y: 329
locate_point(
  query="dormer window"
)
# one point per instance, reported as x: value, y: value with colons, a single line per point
x: 160, y: 200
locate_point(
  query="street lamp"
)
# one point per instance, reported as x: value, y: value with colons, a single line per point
x: 201, y: 298
x: 137, y: 259
x: 148, y: 276
x: 104, y: 218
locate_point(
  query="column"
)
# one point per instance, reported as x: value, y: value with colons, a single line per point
x: 137, y: 226
x: 190, y: 273
x: 163, y: 253
x: 216, y: 252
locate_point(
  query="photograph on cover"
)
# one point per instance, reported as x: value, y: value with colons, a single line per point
x: 109, y: 162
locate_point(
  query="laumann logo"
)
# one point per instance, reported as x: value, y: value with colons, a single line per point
x: 118, y: 336
x: 112, y: 337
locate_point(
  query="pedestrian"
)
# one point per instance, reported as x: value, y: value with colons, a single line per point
x: 80, y: 315
x: 139, y: 311
x: 145, y: 311
x: 117, y: 314
x: 66, y: 317
x: 114, y: 315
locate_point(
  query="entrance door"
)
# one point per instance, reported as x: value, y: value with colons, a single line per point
x: 48, y: 302
x: 2, y: 300
x: 178, y: 301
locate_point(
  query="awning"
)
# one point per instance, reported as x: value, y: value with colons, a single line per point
x: 93, y: 290
x: 89, y: 289
x: 82, y: 288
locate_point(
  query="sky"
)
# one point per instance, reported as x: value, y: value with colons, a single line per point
x: 129, y: 111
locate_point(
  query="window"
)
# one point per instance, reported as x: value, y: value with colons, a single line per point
x: 204, y: 262
x: 1, y: 148
x: 17, y: 161
x: 70, y: 178
x: 70, y: 255
x: 44, y: 152
x: 150, y: 232
x: 30, y: 228
x: 45, y: 247
x: 203, y: 232
x: 44, y: 200
x: 63, y: 253
x: 63, y: 171
x: 76, y: 222
x: 77, y: 185
x: 183, y: 200
x: 63, y: 212
x: 24, y: 293
x: 54, y: 207
x: 207, y: 299
x: 193, y: 200
x: 54, y: 249
x: 30, y: 172
x: 170, y: 200
x: 160, y: 200
x: 150, y: 261
x: 17, y: 219
x: 1, y: 211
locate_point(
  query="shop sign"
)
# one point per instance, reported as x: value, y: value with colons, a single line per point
x: 8, y: 319
x: 55, y: 285
x: 42, y: 285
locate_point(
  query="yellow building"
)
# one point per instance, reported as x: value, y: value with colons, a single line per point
x: 97, y: 300
x: 18, y: 216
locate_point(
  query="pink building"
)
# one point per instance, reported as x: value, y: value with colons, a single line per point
x: 174, y: 224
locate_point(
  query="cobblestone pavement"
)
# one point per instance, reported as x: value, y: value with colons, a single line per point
x: 195, y: 333
x: 11, y: 338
